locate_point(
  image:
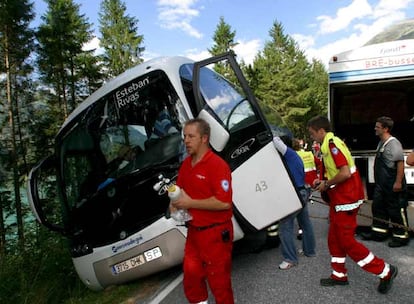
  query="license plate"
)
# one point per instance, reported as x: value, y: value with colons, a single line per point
x: 138, y: 260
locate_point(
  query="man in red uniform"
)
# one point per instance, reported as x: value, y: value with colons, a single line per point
x: 344, y: 189
x: 205, y: 180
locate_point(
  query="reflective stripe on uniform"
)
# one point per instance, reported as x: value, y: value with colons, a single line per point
x: 401, y: 236
x: 338, y: 260
x: 310, y: 169
x: 348, y: 207
x: 273, y: 230
x: 339, y: 274
x: 385, y: 272
x: 368, y: 259
x: 380, y: 230
x: 404, y: 217
x: 405, y: 223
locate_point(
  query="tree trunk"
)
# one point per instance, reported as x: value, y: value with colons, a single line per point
x: 18, y: 205
x: 21, y: 143
x: 2, y: 228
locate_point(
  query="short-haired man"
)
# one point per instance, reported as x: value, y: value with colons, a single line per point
x: 343, y: 186
x: 205, y: 180
x: 389, y: 201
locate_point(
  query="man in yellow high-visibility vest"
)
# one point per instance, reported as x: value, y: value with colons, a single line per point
x: 310, y: 162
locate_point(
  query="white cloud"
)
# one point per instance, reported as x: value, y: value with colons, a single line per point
x: 197, y: 55
x: 178, y: 14
x: 247, y: 50
x: 304, y: 41
x: 93, y: 44
x: 371, y: 22
x: 325, y: 52
x: 385, y: 7
x: 147, y: 55
x: 344, y: 16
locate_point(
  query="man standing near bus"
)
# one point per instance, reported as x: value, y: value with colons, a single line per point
x: 205, y: 180
x: 286, y: 225
x: 390, y: 193
x: 311, y: 166
x: 343, y: 187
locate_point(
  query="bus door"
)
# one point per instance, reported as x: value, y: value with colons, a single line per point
x: 263, y: 191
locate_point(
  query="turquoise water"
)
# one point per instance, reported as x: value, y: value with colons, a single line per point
x: 11, y: 219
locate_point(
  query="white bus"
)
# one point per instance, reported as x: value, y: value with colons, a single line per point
x: 114, y: 211
x: 364, y: 84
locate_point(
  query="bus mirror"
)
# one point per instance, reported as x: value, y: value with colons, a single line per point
x: 41, y: 187
x: 219, y: 135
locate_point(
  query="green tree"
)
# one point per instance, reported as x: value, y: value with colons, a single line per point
x: 120, y: 39
x: 16, y: 44
x: 90, y: 73
x: 223, y: 42
x: 319, y: 85
x: 61, y: 36
x: 283, y: 79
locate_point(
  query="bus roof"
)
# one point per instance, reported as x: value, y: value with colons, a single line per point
x: 388, y: 59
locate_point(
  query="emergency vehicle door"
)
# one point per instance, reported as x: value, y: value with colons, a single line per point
x: 263, y: 191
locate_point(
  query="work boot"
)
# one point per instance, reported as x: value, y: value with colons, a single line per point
x: 369, y: 236
x: 332, y: 282
x: 397, y: 243
x: 386, y: 284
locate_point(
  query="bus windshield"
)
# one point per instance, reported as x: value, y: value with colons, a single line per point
x: 132, y: 128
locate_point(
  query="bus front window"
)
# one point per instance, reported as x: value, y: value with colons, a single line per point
x: 135, y: 127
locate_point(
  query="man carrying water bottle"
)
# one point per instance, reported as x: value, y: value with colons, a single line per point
x: 205, y: 182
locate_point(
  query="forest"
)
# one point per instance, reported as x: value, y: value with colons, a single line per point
x: 46, y: 73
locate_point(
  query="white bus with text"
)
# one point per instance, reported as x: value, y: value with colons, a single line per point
x: 118, y: 151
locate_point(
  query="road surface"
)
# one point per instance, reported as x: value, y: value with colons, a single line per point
x: 257, y: 279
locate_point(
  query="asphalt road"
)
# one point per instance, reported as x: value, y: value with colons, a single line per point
x: 257, y: 279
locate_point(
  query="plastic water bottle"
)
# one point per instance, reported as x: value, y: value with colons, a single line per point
x: 174, y: 192
x: 180, y: 215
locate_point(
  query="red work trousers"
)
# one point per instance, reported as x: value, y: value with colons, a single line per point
x: 342, y: 242
x: 208, y: 258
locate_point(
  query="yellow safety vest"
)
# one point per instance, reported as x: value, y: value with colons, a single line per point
x: 308, y: 160
x: 330, y: 167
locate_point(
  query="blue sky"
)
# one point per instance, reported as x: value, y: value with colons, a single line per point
x: 186, y: 27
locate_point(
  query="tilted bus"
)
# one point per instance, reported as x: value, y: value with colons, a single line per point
x: 114, y: 211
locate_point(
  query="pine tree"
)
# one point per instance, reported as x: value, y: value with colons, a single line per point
x: 223, y: 42
x: 284, y: 80
x: 16, y: 44
x: 90, y: 73
x: 61, y: 36
x: 120, y: 38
